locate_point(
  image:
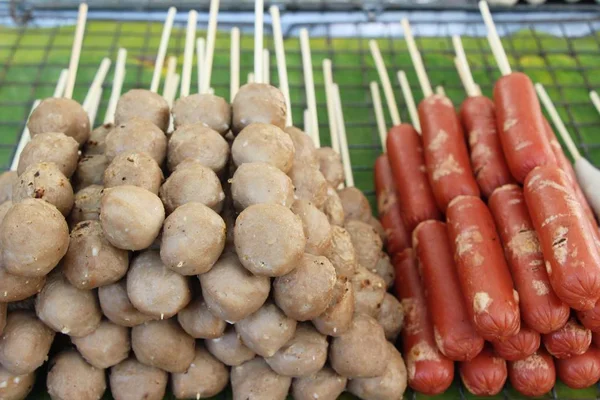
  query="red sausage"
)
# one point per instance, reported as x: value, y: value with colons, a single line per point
x: 484, y: 375
x: 572, y: 258
x: 388, y: 208
x: 596, y: 340
x: 581, y: 371
x: 541, y: 309
x: 563, y: 163
x: 405, y: 153
x: 429, y: 371
x: 534, y: 375
x: 478, y: 116
x: 590, y: 318
x: 453, y: 330
x: 520, y: 346
x: 446, y: 155
x: 570, y: 340
x: 521, y: 125
x: 486, y: 283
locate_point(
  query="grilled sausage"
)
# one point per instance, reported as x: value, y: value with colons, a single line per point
x: 534, y: 375
x: 579, y: 372
x: 485, y: 374
x: 571, y: 340
x: 519, y: 346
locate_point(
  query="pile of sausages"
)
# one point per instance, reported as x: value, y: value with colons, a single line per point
x: 497, y: 253
x: 246, y: 265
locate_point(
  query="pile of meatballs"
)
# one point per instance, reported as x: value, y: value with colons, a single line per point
x: 221, y: 252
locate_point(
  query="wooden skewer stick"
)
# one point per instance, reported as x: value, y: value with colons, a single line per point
x: 378, y: 108
x: 343, y: 138
x: 462, y: 66
x: 331, y: 111
x: 59, y: 90
x: 200, y: 57
x: 309, y: 85
x: 96, y: 84
x: 211, y: 36
x: 162, y: 49
x: 76, y: 50
x: 306, y: 121
x: 385, y: 82
x: 440, y: 90
x: 188, y: 53
x: 171, y: 91
x: 251, y: 78
x: 417, y: 61
x: 410, y: 100
x: 281, y: 63
x: 95, y: 104
x: 494, y: 39
x: 595, y: 100
x: 234, y: 59
x: 117, y: 86
x: 258, y: 40
x: 266, y: 67
x: 170, y: 87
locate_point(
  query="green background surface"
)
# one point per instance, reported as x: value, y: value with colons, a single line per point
x: 36, y: 56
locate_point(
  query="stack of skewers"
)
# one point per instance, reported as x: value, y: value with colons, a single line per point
x: 508, y: 286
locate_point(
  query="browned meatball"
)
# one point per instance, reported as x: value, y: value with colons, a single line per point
x: 137, y: 169
x: 391, y: 317
x: 86, y: 206
x: 310, y: 184
x: 303, y: 355
x: 16, y: 287
x: 213, y: 111
x: 192, y: 182
x: 60, y: 115
x: 337, y: 318
x: 117, y: 307
x: 15, y: 387
x: 305, y: 293
x: 91, y: 260
x: 7, y: 181
x: 66, y: 309
x: 356, y: 205
x: 255, y: 380
x: 324, y: 385
x: 259, y: 183
x: 154, y: 289
x: 70, y: 377
x: 131, y: 217
x: 25, y: 343
x: 132, y: 380
x: 45, y: 181
x: 198, y: 322
x: 230, y: 291
x: 193, y: 239
x: 198, y: 142
x: 34, y: 237
x: 330, y: 164
x: 367, y: 243
x: 136, y: 135
x: 258, y: 102
x: 267, y: 330
x: 206, y: 377
x: 369, y: 292
x: 108, y: 345
x: 333, y: 207
x: 96, y: 144
x: 229, y: 348
x: 163, y: 344
x: 305, y: 152
x: 54, y: 147
x: 341, y: 253
x: 316, y: 227
x: 90, y: 170
x: 269, y: 239
x: 389, y: 385
x: 385, y: 269
x: 361, y: 352
x: 144, y: 104
x: 267, y: 143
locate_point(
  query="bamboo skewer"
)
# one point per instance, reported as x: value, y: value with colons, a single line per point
x: 385, y: 82
x: 410, y: 100
x: 76, y: 50
x: 331, y: 107
x: 309, y: 85
x: 210, y: 47
x: 379, y: 118
x: 162, y: 49
x: 258, y: 40
x: 117, y: 86
x: 234, y: 74
x: 188, y: 53
x: 281, y: 63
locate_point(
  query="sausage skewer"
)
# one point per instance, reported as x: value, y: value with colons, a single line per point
x: 478, y: 116
x: 446, y: 156
x: 519, y: 117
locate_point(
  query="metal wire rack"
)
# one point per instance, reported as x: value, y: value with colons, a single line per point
x: 559, y: 50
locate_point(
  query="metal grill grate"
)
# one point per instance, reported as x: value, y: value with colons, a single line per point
x: 559, y: 50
